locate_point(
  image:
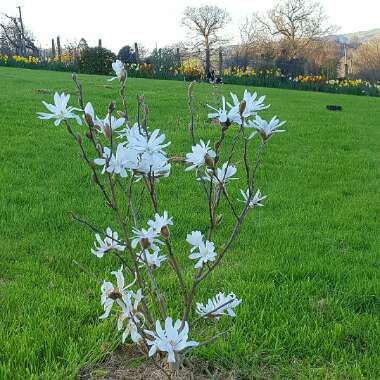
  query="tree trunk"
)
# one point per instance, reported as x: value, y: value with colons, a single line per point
x: 53, y: 48
x: 59, y: 50
x: 207, y: 61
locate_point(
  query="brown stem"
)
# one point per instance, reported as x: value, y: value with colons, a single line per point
x: 156, y: 289
x: 90, y: 164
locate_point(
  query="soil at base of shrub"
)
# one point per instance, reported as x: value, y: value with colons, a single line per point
x: 128, y: 363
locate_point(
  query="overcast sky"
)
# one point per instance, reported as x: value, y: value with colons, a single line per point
x: 122, y: 22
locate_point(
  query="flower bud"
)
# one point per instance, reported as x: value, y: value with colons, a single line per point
x: 145, y: 243
x: 165, y: 232
x: 79, y: 139
x: 209, y: 161
x: 242, y: 106
x: 115, y: 294
x: 111, y: 107
x: 107, y: 132
x: 89, y: 120
x: 89, y: 135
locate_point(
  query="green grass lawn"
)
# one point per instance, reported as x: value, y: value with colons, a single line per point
x: 307, y: 265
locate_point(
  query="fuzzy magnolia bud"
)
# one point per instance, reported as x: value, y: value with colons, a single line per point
x: 89, y: 120
x: 79, y: 139
x: 209, y: 161
x: 165, y: 232
x: 89, y: 135
x: 242, y: 106
x: 145, y: 243
x: 107, y: 132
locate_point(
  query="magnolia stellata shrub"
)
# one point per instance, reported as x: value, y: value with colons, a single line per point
x: 129, y: 159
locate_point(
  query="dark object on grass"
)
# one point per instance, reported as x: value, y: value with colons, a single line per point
x: 334, y: 108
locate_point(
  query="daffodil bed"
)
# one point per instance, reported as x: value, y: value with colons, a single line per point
x: 306, y: 267
x: 191, y: 69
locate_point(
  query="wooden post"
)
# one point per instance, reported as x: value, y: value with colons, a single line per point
x: 345, y: 63
x: 220, y: 62
x: 137, y: 53
x: 22, y: 44
x: 53, y: 48
x: 59, y: 49
x: 100, y: 43
x: 178, y: 55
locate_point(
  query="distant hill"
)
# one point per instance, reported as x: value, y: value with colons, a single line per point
x: 361, y: 37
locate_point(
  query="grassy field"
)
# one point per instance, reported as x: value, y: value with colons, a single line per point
x: 307, y: 265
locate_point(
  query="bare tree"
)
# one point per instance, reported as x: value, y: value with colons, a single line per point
x: 16, y: 38
x: 366, y: 60
x: 205, y: 24
x: 259, y: 47
x: 324, y: 56
x: 296, y: 23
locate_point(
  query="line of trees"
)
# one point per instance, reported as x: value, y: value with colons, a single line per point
x: 293, y: 36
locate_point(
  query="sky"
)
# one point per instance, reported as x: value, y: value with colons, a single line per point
x: 151, y: 22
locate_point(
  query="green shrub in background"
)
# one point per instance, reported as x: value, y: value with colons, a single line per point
x: 96, y: 60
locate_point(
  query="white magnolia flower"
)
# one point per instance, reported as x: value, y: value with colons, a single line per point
x: 122, y: 162
x: 222, y: 175
x: 151, y: 259
x: 146, y: 238
x: 150, y: 158
x: 170, y: 340
x: 200, y: 154
x: 148, y: 145
x: 89, y: 110
x: 118, y: 68
x: 218, y: 306
x: 132, y: 315
x: 129, y: 132
x: 103, y: 161
x: 113, y: 124
x: 111, y: 294
x: 206, y: 252
x: 119, y: 163
x: 156, y: 165
x: 59, y: 110
x: 195, y: 238
x: 160, y: 222
x: 102, y: 124
x: 131, y: 329
x: 110, y: 242
x: 224, y: 116
x: 252, y: 104
x: 255, y: 201
x: 265, y: 129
